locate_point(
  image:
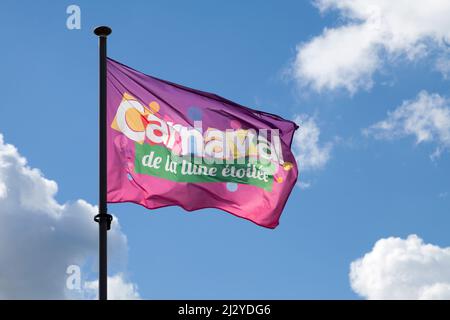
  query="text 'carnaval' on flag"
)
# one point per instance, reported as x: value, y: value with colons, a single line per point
x: 172, y: 145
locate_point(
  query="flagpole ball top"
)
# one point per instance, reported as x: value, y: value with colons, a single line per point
x: 102, y: 31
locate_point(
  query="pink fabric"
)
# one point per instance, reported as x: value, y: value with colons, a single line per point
x: 181, y: 105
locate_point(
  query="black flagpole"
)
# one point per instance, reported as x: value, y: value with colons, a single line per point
x: 103, y: 218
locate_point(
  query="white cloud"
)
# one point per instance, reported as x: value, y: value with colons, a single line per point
x: 310, y: 153
x: 402, y: 269
x: 39, y: 237
x: 374, y: 32
x: 304, y: 185
x: 442, y: 65
x: 443, y: 194
x: 118, y: 288
x: 427, y: 118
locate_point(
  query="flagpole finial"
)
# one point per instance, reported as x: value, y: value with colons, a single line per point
x: 102, y: 31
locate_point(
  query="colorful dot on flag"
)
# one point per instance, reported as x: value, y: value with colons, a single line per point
x: 231, y: 186
x: 279, y: 179
x: 235, y: 124
x: 217, y: 149
x: 129, y: 176
x: 154, y: 107
x: 130, y: 165
x: 287, y: 166
x: 194, y: 113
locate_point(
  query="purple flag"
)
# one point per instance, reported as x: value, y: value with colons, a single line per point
x: 172, y: 145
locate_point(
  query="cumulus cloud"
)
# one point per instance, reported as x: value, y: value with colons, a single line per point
x: 118, y: 288
x: 40, y: 238
x: 402, y: 269
x: 427, y: 118
x: 310, y: 153
x: 442, y: 65
x: 374, y: 32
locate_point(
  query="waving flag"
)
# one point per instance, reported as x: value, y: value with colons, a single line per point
x: 171, y: 145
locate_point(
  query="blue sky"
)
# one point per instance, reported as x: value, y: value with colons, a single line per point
x: 367, y: 190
